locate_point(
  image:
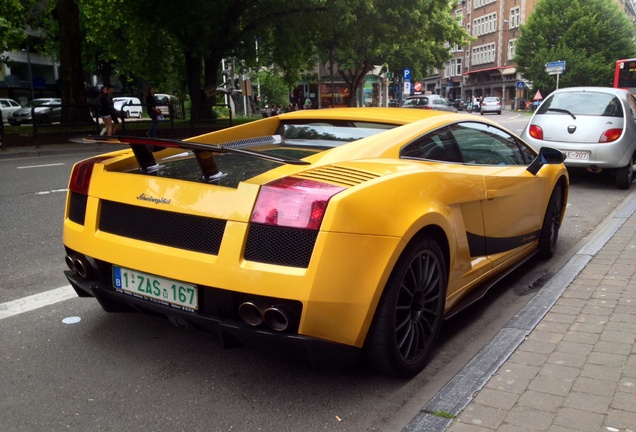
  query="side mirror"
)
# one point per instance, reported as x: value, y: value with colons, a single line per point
x: 546, y: 156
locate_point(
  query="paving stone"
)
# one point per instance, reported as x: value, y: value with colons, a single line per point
x: 537, y: 347
x: 529, y: 418
x: 622, y: 420
x: 582, y: 421
x: 612, y: 347
x: 516, y: 386
x: 588, y: 402
x: 594, y: 386
x: 567, y: 359
x: 607, y: 373
x: 574, y: 348
x: 587, y: 327
x: 483, y: 416
x: 560, y: 372
x: 618, y: 336
x: 515, y: 371
x: 607, y: 359
x: 581, y: 337
x: 550, y: 385
x: 627, y: 385
x: 496, y: 398
x: 552, y: 327
x: 458, y: 426
x: 540, y: 401
x: 528, y: 358
x: 624, y: 401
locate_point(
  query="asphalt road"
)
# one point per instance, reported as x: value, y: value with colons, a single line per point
x: 69, y: 366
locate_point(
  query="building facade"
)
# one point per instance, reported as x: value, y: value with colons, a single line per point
x: 486, y: 67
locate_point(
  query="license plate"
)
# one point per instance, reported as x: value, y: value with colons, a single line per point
x: 578, y: 155
x: 155, y: 288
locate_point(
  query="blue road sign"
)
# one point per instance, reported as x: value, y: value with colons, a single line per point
x: 556, y: 64
x: 521, y: 85
x: 407, y: 74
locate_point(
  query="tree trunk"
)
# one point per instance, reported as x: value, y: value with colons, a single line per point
x: 71, y: 72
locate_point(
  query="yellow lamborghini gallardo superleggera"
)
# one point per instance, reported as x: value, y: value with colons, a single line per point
x: 340, y: 233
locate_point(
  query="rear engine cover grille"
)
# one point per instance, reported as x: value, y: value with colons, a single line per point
x: 182, y: 231
x: 279, y: 245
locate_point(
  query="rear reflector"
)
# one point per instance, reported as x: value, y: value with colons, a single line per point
x: 293, y: 202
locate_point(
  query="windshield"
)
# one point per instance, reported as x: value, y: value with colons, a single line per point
x: 583, y: 103
x: 327, y: 133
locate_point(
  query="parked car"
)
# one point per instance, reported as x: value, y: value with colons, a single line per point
x: 594, y: 126
x: 429, y: 102
x: 129, y: 106
x: 490, y: 104
x: 47, y: 110
x: 275, y: 232
x: 164, y: 101
x: 7, y: 106
x: 460, y: 104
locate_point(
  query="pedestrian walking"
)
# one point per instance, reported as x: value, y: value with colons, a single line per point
x: 106, y: 110
x: 153, y: 112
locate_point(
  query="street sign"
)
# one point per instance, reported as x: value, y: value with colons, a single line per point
x: 521, y: 85
x: 553, y: 68
x: 407, y: 74
x: 407, y: 87
x: 559, y: 64
x: 417, y: 86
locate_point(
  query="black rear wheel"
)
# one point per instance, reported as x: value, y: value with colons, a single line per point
x: 410, y: 312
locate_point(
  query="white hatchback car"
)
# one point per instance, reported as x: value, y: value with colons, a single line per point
x: 594, y: 126
x: 129, y: 106
x: 7, y: 106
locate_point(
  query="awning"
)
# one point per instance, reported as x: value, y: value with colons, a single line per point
x: 501, y: 70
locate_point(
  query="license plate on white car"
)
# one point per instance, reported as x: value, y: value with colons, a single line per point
x: 156, y: 288
x: 578, y: 155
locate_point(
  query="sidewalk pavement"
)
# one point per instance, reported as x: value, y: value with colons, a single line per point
x: 567, y: 361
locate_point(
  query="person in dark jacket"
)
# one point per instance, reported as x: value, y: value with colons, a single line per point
x: 153, y: 112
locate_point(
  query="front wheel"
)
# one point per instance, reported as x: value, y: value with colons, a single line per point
x: 551, y: 223
x: 410, y: 312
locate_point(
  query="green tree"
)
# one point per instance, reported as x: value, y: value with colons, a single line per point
x: 400, y: 33
x: 589, y: 35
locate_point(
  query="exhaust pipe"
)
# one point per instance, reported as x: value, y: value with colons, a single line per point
x: 70, y: 262
x: 252, y: 312
x: 278, y: 317
x: 594, y: 169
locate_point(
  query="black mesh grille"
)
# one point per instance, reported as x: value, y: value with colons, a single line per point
x: 77, y: 207
x: 276, y: 245
x: 195, y: 233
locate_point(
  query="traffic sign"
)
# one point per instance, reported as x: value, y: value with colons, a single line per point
x: 407, y: 87
x: 556, y: 64
x: 521, y: 85
x: 407, y: 74
x: 417, y: 86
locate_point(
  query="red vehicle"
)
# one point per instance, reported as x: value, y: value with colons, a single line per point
x: 625, y: 75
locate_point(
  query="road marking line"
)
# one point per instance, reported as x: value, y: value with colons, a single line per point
x: 40, y: 166
x: 36, y: 301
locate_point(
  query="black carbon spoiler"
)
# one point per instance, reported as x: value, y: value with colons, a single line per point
x: 143, y: 150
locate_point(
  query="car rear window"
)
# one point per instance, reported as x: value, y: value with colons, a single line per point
x: 331, y: 133
x: 583, y: 103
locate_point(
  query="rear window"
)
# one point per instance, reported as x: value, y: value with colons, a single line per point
x: 583, y: 103
x: 328, y: 133
x: 415, y: 102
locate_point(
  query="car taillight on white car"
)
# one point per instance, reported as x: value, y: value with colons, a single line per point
x: 610, y: 135
x: 293, y: 202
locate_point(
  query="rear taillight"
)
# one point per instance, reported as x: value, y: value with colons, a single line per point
x: 610, y: 135
x: 81, y: 175
x: 293, y: 202
x: 536, y: 132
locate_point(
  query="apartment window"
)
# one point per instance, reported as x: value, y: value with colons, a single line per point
x: 458, y: 67
x: 514, y: 17
x: 511, y: 49
x: 480, y: 3
x: 485, y: 24
x: 483, y: 54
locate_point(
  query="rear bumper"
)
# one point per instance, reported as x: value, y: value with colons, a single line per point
x: 231, y: 333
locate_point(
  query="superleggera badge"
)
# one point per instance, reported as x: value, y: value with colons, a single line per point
x: 152, y: 199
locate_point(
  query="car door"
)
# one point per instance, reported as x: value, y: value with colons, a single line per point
x: 513, y: 206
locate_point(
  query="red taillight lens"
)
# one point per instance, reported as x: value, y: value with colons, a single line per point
x: 610, y: 135
x: 293, y: 202
x: 536, y: 132
x: 81, y: 175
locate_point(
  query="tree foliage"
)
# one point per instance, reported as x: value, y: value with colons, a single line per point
x: 400, y: 33
x: 589, y: 35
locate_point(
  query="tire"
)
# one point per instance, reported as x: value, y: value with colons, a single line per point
x: 410, y: 313
x: 43, y: 119
x: 551, y: 223
x: 625, y: 175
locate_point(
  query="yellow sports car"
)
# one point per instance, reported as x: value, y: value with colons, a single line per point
x: 340, y: 233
